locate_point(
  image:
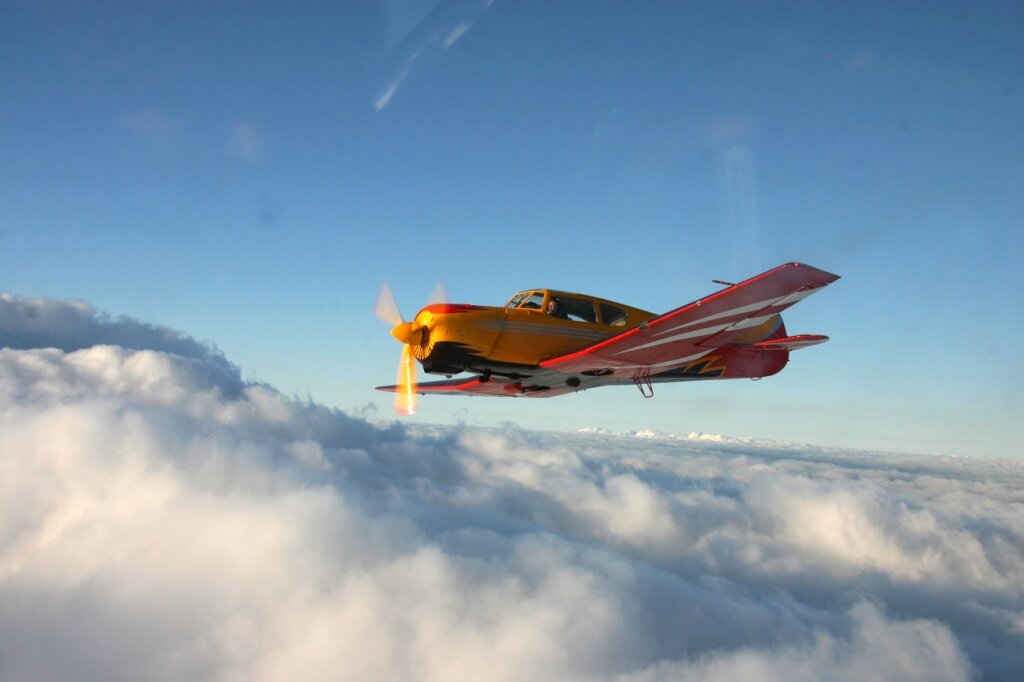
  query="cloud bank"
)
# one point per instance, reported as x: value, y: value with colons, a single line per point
x: 161, y: 519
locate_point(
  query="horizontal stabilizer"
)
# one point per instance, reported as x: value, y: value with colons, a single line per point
x: 790, y: 342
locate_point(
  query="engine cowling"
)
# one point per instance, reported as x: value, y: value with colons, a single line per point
x: 453, y: 337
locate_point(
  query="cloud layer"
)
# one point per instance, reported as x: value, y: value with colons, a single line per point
x: 161, y: 519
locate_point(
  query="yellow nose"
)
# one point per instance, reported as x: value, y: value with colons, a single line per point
x: 408, y: 333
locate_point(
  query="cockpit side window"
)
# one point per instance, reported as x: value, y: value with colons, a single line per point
x: 574, y: 309
x: 612, y: 316
x: 533, y: 301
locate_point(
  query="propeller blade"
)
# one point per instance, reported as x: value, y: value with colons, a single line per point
x: 405, y: 396
x: 439, y: 294
x: 386, y: 309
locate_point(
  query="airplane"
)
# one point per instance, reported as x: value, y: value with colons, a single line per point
x: 544, y: 343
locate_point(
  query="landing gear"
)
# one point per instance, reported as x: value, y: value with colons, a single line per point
x: 642, y: 380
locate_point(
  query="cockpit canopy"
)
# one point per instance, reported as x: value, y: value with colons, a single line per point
x: 572, y: 307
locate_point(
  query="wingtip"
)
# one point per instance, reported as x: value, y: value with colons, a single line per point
x: 830, y: 276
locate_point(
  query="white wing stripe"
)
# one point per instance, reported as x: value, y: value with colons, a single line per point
x: 749, y: 308
x: 707, y: 331
x: 666, y: 363
x: 752, y: 321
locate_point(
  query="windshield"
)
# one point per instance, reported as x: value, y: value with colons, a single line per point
x: 515, y: 300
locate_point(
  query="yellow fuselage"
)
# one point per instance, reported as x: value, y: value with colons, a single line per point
x: 455, y: 338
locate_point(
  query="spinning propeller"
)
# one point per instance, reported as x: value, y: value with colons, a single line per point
x: 408, y: 334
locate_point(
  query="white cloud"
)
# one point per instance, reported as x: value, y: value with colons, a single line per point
x: 160, y: 519
x: 457, y: 32
x: 73, y: 325
x: 391, y: 87
x: 244, y: 142
x: 876, y: 648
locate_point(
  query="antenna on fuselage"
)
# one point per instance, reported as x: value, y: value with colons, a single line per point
x: 722, y: 282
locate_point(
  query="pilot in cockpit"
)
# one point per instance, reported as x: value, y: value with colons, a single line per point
x: 555, y: 309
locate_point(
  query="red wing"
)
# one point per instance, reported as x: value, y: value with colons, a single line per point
x: 501, y: 388
x: 686, y: 334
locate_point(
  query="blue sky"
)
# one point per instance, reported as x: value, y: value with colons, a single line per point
x: 250, y: 173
